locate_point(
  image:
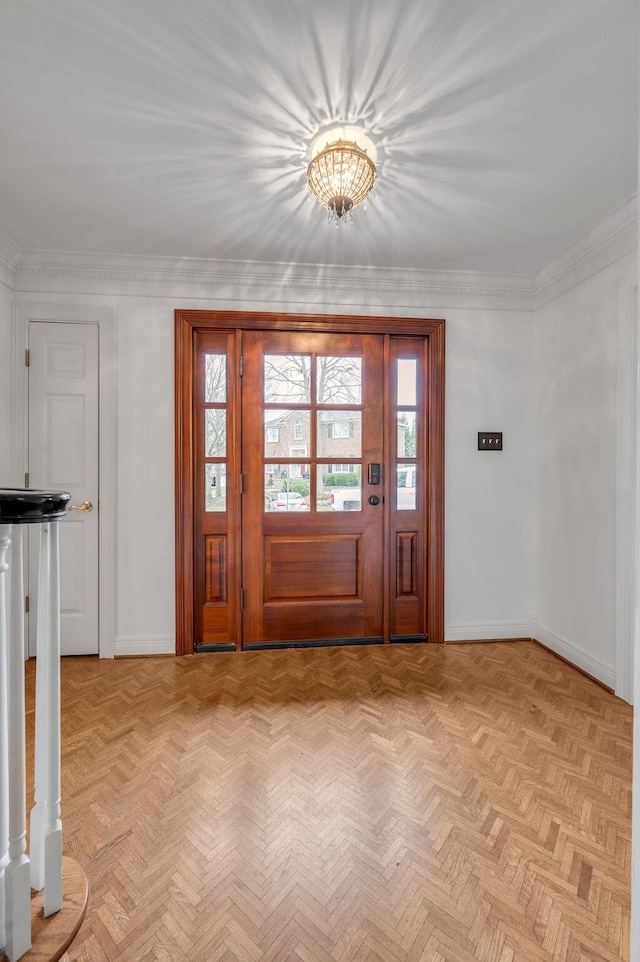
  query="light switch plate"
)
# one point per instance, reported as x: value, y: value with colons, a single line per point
x: 489, y: 440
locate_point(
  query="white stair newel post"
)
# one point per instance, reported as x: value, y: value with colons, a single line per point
x: 5, y: 541
x: 17, y: 874
x: 53, y: 824
x: 36, y: 833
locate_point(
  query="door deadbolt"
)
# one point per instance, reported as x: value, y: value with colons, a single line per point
x: 374, y: 499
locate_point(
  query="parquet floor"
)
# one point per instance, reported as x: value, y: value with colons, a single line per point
x: 404, y: 804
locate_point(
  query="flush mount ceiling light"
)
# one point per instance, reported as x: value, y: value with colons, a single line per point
x: 342, y: 171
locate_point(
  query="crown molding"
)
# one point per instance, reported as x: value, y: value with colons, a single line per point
x: 276, y: 283
x: 9, y: 256
x: 602, y: 245
x: 319, y: 287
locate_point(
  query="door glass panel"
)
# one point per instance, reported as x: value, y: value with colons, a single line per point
x: 287, y: 378
x: 286, y: 433
x: 339, y: 434
x: 407, y: 374
x: 338, y: 487
x: 215, y: 378
x: 406, y: 487
x: 215, y: 487
x: 339, y: 380
x: 406, y: 434
x: 215, y: 426
x: 286, y: 487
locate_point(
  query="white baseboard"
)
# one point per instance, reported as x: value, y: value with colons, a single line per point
x: 566, y: 649
x: 487, y: 632
x: 145, y: 645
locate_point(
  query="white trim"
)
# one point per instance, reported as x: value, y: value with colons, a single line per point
x: 9, y: 256
x: 314, y: 285
x: 635, y: 785
x: 487, y: 631
x: 576, y: 656
x: 18, y: 400
x: 23, y: 314
x: 145, y: 645
x: 605, y: 243
x: 626, y: 436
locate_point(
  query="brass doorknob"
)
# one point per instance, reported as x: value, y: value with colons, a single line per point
x: 85, y: 506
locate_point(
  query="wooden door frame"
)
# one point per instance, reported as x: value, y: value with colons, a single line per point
x: 188, y: 322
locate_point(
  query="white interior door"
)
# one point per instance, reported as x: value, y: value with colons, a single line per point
x: 63, y: 456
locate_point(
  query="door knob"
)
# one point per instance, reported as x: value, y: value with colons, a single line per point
x: 374, y: 499
x: 86, y: 506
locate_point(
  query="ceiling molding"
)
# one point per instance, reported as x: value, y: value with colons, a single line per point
x: 51, y: 272
x: 320, y: 287
x: 605, y: 243
x: 9, y: 256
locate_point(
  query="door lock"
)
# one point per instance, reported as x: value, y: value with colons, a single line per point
x: 374, y: 499
x: 373, y: 473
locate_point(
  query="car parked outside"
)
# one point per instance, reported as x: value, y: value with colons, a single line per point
x: 288, y: 501
x: 345, y: 499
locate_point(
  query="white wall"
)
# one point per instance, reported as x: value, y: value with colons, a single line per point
x: 6, y: 478
x: 489, y: 506
x: 488, y: 496
x: 578, y: 377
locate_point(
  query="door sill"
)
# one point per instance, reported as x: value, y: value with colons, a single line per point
x: 311, y: 643
x: 208, y: 646
x: 408, y: 639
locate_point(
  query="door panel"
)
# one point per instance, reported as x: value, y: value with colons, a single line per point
x: 407, y: 430
x: 63, y: 456
x: 312, y: 562
x: 216, y: 490
x: 311, y: 567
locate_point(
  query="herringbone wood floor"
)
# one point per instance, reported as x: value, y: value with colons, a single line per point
x: 398, y: 804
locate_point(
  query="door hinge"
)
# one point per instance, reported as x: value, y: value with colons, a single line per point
x: 242, y: 599
x: 242, y: 484
x: 26, y: 358
x: 241, y: 365
x: 26, y: 479
x: 26, y: 604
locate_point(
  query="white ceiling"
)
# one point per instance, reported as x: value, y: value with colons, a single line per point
x: 180, y: 127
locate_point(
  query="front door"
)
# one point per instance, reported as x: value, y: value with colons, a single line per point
x: 309, y: 483
x: 312, y: 447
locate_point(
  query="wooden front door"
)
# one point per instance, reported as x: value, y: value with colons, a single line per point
x: 312, y: 548
x: 309, y: 481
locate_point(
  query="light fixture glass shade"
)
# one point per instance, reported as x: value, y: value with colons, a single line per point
x: 341, y: 176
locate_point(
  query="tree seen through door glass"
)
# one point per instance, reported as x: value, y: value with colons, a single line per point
x: 406, y: 434
x: 215, y: 378
x: 215, y: 487
x: 215, y: 424
x: 287, y: 378
x: 286, y: 487
x: 339, y: 380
